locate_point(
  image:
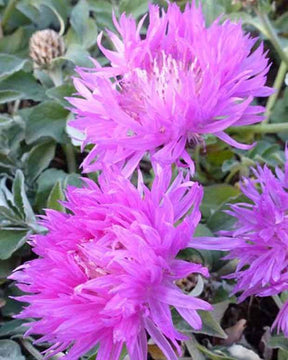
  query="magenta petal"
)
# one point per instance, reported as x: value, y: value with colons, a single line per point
x: 160, y: 340
x: 156, y: 95
x: 112, y: 257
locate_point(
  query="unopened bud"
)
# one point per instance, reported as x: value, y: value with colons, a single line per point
x: 46, y: 45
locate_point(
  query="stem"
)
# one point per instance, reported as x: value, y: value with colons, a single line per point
x: 260, y: 128
x: 233, y: 171
x: 37, y: 355
x: 70, y: 157
x: 16, y: 106
x: 8, y: 12
x: 273, y: 37
x: 277, y: 300
x: 56, y: 76
x: 277, y: 86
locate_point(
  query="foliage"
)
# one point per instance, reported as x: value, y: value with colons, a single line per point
x: 38, y: 159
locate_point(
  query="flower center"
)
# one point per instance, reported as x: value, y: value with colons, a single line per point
x: 159, y: 83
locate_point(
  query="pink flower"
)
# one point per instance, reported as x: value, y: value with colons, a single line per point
x: 165, y: 91
x: 106, y: 271
x: 259, y: 239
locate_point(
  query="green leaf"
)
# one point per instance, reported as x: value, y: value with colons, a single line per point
x: 9, y: 95
x: 20, y: 198
x: 16, y: 42
x: 12, y: 327
x: 215, y: 196
x: 46, y: 120
x: 60, y: 9
x: 79, y: 17
x: 211, y: 259
x: 219, y: 355
x: 202, y: 230
x: 45, y: 182
x: 35, y: 164
x: 212, y: 10
x: 279, y: 113
x: 103, y: 12
x: 55, y: 195
x: 78, y: 56
x: 10, y: 241
x: 7, y: 266
x: 278, y: 342
x: 88, y: 39
x: 210, y: 326
x: 206, y: 256
x: 29, y: 10
x: 284, y: 296
x: 136, y: 7
x: 191, y: 345
x: 282, y: 355
x: 221, y: 220
x: 10, y: 350
x: 9, y: 64
x: 8, y: 216
x: 25, y: 84
x: 12, y: 305
x: 60, y: 92
x: 42, y: 16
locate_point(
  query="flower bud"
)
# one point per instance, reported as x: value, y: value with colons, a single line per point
x: 44, y: 46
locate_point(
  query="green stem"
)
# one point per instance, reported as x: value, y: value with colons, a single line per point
x: 56, y: 76
x: 8, y: 12
x: 70, y: 157
x: 278, y: 301
x: 277, y: 86
x: 37, y: 355
x: 273, y: 37
x: 16, y: 106
x: 260, y: 129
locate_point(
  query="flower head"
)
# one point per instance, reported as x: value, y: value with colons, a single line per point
x: 163, y: 92
x: 259, y: 239
x: 106, y: 271
x: 44, y: 46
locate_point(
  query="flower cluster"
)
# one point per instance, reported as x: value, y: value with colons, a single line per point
x: 109, y: 262
x: 162, y: 93
x: 259, y: 239
x: 110, y: 268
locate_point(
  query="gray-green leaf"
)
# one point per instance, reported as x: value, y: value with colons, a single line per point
x: 56, y: 194
x: 47, y: 119
x: 10, y: 350
x: 9, y: 64
x: 38, y: 159
x: 20, y: 198
x: 10, y: 241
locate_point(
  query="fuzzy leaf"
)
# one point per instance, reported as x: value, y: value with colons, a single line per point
x: 9, y: 64
x: 47, y: 120
x: 10, y: 241
x: 20, y: 198
x: 35, y: 164
x: 55, y: 195
x: 25, y: 84
x: 10, y: 350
